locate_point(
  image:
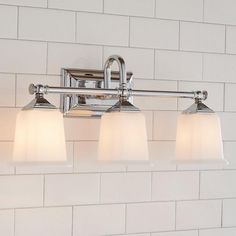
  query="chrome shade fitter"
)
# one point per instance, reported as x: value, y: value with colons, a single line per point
x: 122, y: 133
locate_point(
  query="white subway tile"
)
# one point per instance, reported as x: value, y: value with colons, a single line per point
x: 220, y: 11
x: 23, y: 56
x: 86, y: 159
x: 218, y: 232
x: 7, y: 222
x: 102, y: 29
x: 227, y: 123
x: 99, y: 220
x: 230, y: 97
x: 130, y: 7
x: 43, y: 221
x: 202, y: 37
x: 191, y: 10
x: 81, y: 129
x: 219, y: 68
x: 71, y: 189
x: 44, y: 168
x: 48, y: 25
x: 218, y: 184
x: 229, y: 154
x: 125, y: 187
x: 8, y: 22
x: 77, y: 5
x: 178, y: 233
x: 162, y: 150
x: 229, y: 213
x: 22, y: 84
x: 62, y: 55
x: 138, y: 61
x: 215, y: 99
x: 7, y: 123
x: 231, y: 39
x: 7, y: 90
x: 175, y: 186
x: 155, y: 103
x: 21, y: 191
x: 165, y: 125
x: 154, y: 33
x: 150, y: 217
x: 31, y: 3
x: 198, y: 214
x: 171, y: 65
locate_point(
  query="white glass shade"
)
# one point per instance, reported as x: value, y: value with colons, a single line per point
x: 199, y: 138
x: 39, y: 136
x: 123, y: 137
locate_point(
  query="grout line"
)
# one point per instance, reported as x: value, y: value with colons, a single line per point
x: 225, y: 38
x: 199, y: 185
x: 129, y: 35
x: 47, y: 58
x: 43, y: 190
x: 222, y: 210
x: 125, y: 218
x: 203, y: 59
x: 203, y: 11
x: 100, y: 188
x: 224, y: 95
x: 18, y: 22
x: 118, y: 46
x: 155, y: 64
x: 178, y: 99
x: 175, y: 215
x: 15, y: 100
x: 155, y: 8
x: 117, y: 203
x: 151, y: 186
x: 76, y: 40
x: 99, y: 12
x: 14, y: 222
x: 153, y: 125
x: 72, y: 222
x: 179, y: 38
x: 103, y: 6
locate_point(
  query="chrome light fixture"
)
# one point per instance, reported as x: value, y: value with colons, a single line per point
x: 198, y: 136
x: 39, y: 134
x: 94, y: 93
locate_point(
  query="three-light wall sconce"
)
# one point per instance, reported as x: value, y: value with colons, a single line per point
x: 39, y: 135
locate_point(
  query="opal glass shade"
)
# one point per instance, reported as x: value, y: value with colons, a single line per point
x: 123, y: 137
x: 199, y: 137
x: 39, y: 136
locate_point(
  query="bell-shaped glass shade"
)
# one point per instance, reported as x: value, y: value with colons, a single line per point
x: 199, y: 138
x: 39, y: 136
x: 123, y: 137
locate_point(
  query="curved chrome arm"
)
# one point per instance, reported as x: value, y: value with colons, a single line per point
x: 107, y: 72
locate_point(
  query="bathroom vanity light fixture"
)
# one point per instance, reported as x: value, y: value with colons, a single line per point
x: 95, y: 93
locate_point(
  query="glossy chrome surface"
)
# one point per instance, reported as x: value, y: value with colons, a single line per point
x: 91, y: 92
x: 39, y: 102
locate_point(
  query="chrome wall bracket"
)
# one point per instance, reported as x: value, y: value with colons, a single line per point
x: 91, y: 92
x: 89, y: 105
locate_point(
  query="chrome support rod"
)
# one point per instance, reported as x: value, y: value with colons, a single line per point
x: 45, y: 89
